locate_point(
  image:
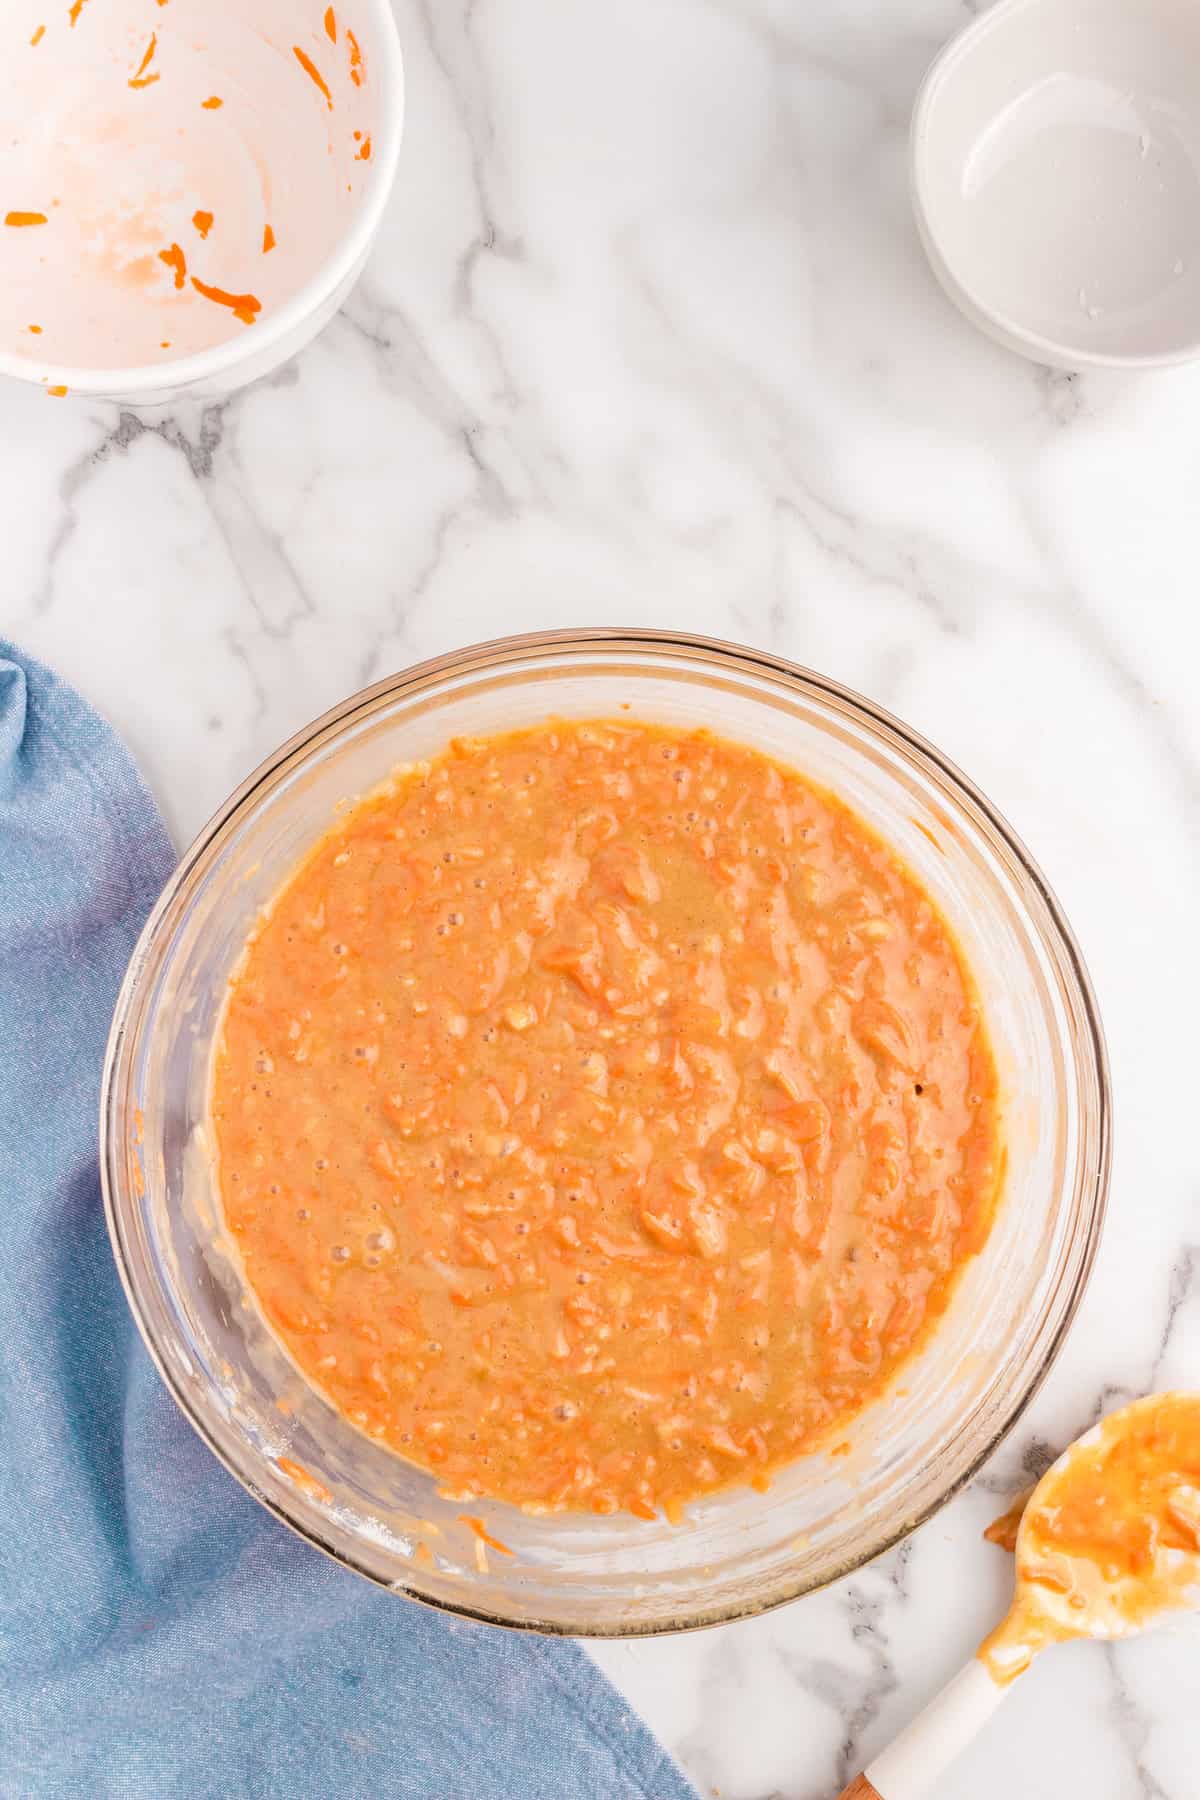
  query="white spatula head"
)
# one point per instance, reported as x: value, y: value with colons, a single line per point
x: 1109, y: 1543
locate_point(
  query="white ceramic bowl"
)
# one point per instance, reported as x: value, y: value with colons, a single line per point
x: 1056, y: 178
x: 248, y: 354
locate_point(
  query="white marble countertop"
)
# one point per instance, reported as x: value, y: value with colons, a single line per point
x: 649, y: 340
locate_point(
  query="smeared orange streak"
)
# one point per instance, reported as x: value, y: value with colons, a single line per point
x: 38, y: 35
x: 268, y: 240
x: 1003, y: 1531
x: 364, y: 155
x: 331, y: 25
x: 76, y: 9
x: 203, y: 221
x: 176, y: 260
x: 484, y: 1536
x: 245, y: 307
x: 146, y: 81
x: 314, y: 74
x: 147, y: 59
x: 25, y: 218
x: 307, y: 1483
x: 58, y: 393
x: 212, y: 103
x: 356, y: 60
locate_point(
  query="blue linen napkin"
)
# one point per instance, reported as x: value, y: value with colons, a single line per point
x: 160, y: 1635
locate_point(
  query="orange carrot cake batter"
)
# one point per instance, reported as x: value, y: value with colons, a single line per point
x: 603, y: 1113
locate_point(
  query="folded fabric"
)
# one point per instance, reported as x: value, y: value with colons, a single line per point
x: 160, y: 1634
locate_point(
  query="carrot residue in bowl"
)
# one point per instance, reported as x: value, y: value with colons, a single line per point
x: 176, y: 261
x: 314, y: 74
x: 483, y: 1534
x: 245, y: 307
x: 140, y: 79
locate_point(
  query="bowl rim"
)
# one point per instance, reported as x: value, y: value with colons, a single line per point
x: 522, y: 647
x: 993, y: 321
x: 135, y: 379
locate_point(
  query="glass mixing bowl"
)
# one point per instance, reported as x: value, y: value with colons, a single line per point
x: 738, y: 1552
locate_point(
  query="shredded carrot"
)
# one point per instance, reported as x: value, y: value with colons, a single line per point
x: 58, y: 393
x: 268, y: 240
x: 484, y: 1536
x: 166, y: 343
x: 364, y: 155
x: 331, y: 25
x: 76, y: 9
x: 356, y: 60
x: 307, y: 1483
x: 203, y: 221
x: 212, y: 103
x: 176, y: 260
x: 140, y: 78
x: 38, y: 35
x: 25, y: 218
x: 314, y: 74
x: 36, y: 330
x: 245, y: 307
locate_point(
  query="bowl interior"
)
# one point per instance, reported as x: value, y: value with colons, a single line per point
x: 1057, y: 170
x: 739, y: 1551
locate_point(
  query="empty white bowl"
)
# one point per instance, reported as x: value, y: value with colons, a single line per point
x: 1056, y: 178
